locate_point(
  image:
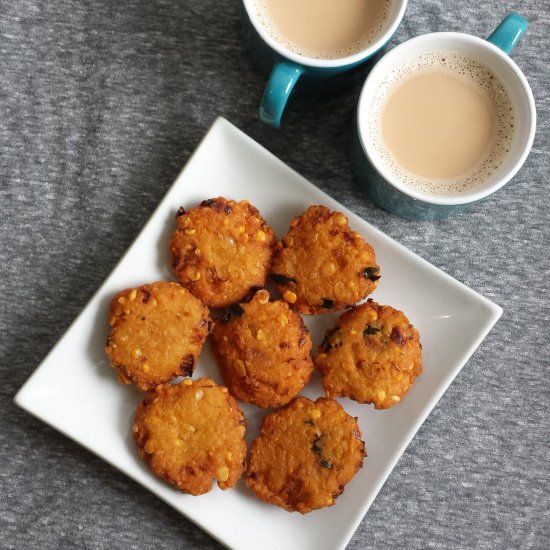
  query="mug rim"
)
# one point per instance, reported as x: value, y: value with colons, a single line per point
x: 357, y: 57
x: 466, y: 197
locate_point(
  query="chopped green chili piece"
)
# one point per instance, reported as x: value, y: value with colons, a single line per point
x: 370, y: 330
x: 370, y: 273
x: 316, y: 447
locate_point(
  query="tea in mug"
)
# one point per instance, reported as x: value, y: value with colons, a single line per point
x: 324, y: 29
x: 443, y: 123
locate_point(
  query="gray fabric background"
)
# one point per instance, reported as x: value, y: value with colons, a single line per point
x: 101, y: 104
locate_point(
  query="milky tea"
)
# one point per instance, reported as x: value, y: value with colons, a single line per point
x: 324, y: 29
x: 441, y: 123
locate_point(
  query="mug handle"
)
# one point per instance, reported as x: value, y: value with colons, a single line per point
x: 282, y: 80
x: 510, y: 30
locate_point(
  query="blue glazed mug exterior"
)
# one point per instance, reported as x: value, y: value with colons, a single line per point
x: 384, y: 188
x: 289, y: 67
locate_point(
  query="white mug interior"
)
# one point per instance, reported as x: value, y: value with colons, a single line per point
x: 397, y: 11
x: 504, y: 69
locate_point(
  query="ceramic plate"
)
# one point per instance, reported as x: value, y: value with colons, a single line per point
x: 75, y: 390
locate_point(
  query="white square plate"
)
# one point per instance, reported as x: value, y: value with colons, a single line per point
x: 75, y: 390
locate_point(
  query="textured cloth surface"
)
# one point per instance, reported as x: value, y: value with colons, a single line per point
x: 101, y: 104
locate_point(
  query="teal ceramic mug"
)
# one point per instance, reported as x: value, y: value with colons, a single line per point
x: 289, y: 67
x: 373, y: 162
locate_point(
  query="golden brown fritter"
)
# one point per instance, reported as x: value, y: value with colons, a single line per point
x: 191, y: 433
x: 305, y: 455
x: 263, y: 350
x: 157, y: 333
x: 221, y: 250
x: 372, y: 355
x: 321, y: 265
